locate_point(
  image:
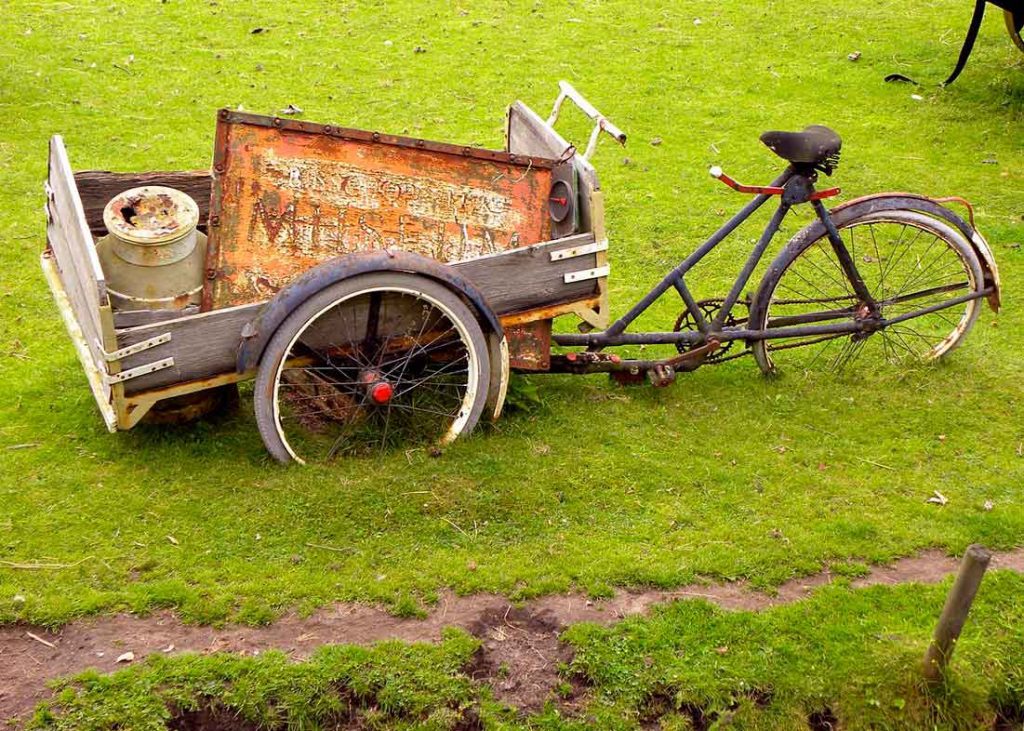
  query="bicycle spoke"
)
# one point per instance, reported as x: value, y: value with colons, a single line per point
x: 912, y: 267
x: 811, y: 284
x: 878, y: 260
x: 841, y: 281
x: 918, y: 272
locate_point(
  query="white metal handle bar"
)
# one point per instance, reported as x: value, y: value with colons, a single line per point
x: 602, y: 123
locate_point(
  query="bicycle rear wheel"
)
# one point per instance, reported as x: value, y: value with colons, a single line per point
x: 909, y: 261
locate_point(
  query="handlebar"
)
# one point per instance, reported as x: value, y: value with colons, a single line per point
x: 717, y: 173
x: 601, y: 123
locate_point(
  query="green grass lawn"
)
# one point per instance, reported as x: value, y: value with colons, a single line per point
x: 843, y: 654
x: 725, y: 475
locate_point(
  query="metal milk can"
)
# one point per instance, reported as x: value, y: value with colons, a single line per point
x: 153, y: 257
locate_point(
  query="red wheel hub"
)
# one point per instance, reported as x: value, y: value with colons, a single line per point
x: 381, y: 392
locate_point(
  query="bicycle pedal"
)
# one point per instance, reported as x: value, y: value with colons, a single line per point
x: 661, y: 376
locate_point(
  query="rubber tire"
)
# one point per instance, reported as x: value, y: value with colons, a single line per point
x: 263, y: 397
x: 765, y: 290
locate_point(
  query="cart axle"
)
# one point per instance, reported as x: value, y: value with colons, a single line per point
x: 378, y: 389
x: 381, y: 392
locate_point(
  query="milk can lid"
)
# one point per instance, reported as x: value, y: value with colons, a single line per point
x: 152, y: 214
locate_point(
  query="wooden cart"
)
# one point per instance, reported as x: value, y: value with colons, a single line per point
x: 442, y: 267
x: 379, y: 289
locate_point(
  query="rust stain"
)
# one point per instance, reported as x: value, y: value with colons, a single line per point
x: 548, y: 312
x: 148, y: 396
x: 147, y: 212
x: 529, y: 345
x: 287, y: 199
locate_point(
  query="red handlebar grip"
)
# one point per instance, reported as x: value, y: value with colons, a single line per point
x: 717, y: 172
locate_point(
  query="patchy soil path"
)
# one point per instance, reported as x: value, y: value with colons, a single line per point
x: 520, y: 652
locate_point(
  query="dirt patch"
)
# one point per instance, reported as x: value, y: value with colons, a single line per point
x: 663, y: 702
x: 26, y: 662
x: 209, y: 718
x: 823, y: 720
x: 573, y: 696
x: 520, y: 653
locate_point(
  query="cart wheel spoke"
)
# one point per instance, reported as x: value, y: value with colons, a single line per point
x: 368, y: 365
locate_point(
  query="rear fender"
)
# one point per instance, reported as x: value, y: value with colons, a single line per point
x: 257, y: 333
x: 881, y: 202
x: 932, y: 207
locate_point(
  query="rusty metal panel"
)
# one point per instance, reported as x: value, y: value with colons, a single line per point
x: 288, y: 195
x: 529, y: 345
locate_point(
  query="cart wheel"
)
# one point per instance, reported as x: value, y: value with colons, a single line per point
x: 368, y: 364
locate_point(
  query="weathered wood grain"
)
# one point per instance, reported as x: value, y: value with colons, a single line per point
x: 528, y: 134
x: 137, y: 318
x: 206, y: 344
x: 202, y: 346
x: 78, y: 267
x: 284, y: 198
x: 97, y: 187
x: 526, y: 278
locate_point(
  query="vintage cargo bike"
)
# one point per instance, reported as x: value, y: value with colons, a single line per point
x: 380, y: 289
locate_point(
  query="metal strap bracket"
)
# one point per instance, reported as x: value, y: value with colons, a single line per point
x: 49, y: 199
x: 585, y: 274
x: 141, y: 370
x: 136, y: 348
x: 583, y: 250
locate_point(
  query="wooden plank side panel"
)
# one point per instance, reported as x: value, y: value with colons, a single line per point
x: 206, y: 344
x: 138, y: 318
x: 78, y: 252
x: 84, y: 307
x: 202, y: 345
x: 94, y: 374
x: 77, y: 265
x: 528, y: 134
x: 97, y: 187
x: 525, y: 279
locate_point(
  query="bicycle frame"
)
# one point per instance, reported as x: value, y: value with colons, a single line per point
x: 715, y: 330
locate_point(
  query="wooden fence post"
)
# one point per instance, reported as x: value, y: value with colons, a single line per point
x: 954, y: 613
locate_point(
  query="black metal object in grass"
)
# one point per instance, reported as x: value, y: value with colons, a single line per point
x: 1013, y: 12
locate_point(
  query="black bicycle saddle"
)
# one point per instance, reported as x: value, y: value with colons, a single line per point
x: 817, y: 146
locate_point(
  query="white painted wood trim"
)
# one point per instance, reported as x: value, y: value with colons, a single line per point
x: 92, y: 372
